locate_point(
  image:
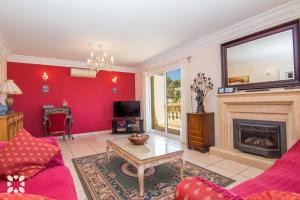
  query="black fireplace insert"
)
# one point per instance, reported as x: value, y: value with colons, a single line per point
x: 260, y: 137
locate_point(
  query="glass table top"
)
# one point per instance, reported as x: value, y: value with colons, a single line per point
x: 154, y: 147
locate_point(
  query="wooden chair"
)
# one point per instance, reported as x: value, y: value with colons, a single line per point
x: 57, y: 123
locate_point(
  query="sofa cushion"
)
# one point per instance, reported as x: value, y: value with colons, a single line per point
x: 55, y: 183
x: 274, y: 195
x: 56, y: 161
x: 196, y: 188
x: 20, y: 196
x: 25, y: 155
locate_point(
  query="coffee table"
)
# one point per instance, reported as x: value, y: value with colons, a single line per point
x: 157, y: 150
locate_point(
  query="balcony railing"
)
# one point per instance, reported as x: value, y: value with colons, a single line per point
x: 174, y: 118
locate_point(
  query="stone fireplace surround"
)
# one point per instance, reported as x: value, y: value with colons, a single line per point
x: 274, y: 105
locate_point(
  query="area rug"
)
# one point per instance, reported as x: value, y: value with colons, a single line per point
x: 117, y: 180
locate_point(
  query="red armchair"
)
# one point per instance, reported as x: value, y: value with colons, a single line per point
x: 57, y: 124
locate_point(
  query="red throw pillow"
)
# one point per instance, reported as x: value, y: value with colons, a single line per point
x: 274, y: 195
x: 25, y: 155
x: 19, y: 196
x: 196, y: 188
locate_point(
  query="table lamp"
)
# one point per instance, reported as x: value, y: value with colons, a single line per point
x: 9, y: 88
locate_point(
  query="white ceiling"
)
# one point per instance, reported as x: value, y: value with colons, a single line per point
x: 132, y: 30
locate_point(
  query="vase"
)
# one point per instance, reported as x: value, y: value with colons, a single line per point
x: 200, y: 106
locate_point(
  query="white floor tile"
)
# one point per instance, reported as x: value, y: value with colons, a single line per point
x: 84, y: 145
x: 195, y: 162
x: 97, y: 145
x: 221, y: 171
x: 251, y: 172
x: 204, y: 157
x: 238, y: 180
x: 79, y: 147
x: 231, y: 166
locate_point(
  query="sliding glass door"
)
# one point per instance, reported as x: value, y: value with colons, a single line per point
x: 166, y: 101
x: 173, y: 88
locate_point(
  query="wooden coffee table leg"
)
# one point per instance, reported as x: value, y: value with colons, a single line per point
x: 141, y: 179
x: 181, y: 168
x: 107, y: 152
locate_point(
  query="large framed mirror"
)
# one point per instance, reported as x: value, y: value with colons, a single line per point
x: 266, y: 59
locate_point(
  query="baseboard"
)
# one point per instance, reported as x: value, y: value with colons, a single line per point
x: 88, y: 133
x: 95, y: 132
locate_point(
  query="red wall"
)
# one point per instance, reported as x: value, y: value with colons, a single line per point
x: 89, y: 99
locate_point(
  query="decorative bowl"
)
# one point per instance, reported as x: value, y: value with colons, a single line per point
x: 138, y: 139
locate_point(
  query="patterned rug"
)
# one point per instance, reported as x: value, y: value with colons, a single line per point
x: 117, y: 180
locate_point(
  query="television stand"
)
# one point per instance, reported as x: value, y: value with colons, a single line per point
x: 127, y: 125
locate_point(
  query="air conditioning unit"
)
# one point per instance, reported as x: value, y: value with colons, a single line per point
x: 84, y: 73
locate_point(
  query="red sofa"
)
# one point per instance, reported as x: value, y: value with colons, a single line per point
x: 284, y: 175
x: 55, y: 182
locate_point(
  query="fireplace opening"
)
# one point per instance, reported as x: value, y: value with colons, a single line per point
x: 260, y: 137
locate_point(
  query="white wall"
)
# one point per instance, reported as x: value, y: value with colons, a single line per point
x: 3, y: 76
x: 207, y: 61
x: 205, y: 56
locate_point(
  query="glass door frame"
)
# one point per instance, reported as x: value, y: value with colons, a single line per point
x: 164, y: 72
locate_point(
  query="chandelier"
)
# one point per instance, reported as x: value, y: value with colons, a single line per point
x: 99, y: 59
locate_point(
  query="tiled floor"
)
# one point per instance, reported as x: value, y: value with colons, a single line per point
x: 88, y: 144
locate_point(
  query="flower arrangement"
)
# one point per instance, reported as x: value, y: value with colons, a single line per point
x: 201, y: 86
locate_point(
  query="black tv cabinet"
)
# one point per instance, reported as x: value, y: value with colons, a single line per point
x: 127, y: 125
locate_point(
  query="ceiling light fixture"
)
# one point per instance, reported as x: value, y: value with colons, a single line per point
x: 99, y: 59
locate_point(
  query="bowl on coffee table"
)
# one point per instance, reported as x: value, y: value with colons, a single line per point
x: 138, y: 139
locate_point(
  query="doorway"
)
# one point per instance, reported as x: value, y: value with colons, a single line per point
x: 165, y: 93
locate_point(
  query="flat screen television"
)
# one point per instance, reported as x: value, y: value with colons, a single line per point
x: 126, y: 109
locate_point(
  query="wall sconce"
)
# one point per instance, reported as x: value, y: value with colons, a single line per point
x: 268, y: 72
x: 114, y: 79
x: 45, y: 76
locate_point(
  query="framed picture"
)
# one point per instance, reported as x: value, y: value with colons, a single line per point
x: 238, y: 80
x: 222, y: 90
x: 45, y: 88
x: 114, y: 90
x: 229, y: 89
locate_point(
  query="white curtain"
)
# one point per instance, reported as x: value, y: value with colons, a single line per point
x: 185, y: 97
x: 146, y: 101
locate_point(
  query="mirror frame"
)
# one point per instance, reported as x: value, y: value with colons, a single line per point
x: 292, y: 25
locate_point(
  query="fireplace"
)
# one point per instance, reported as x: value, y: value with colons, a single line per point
x: 264, y: 138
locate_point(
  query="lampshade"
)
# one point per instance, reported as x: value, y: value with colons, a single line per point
x: 9, y: 87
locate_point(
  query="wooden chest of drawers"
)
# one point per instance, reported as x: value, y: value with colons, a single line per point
x: 201, y: 131
x: 10, y: 125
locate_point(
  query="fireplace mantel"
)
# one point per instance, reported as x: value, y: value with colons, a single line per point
x: 274, y: 105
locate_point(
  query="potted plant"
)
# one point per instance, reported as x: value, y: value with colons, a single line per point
x: 201, y: 86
